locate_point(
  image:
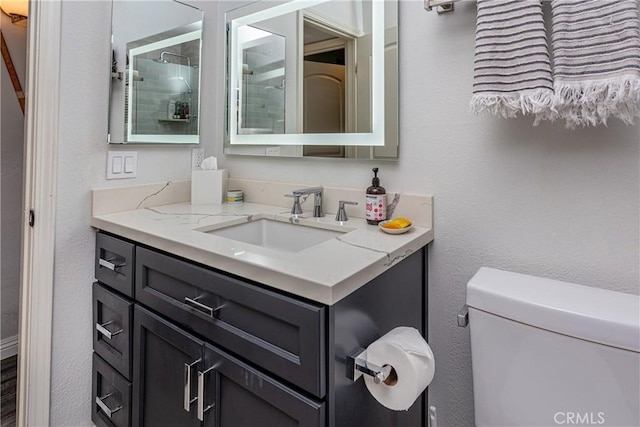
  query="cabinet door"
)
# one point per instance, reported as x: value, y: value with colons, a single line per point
x: 236, y: 394
x: 166, y: 362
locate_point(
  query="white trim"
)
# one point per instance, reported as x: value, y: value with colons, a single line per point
x: 41, y: 156
x: 274, y: 11
x: 325, y: 46
x: 330, y: 22
x: 8, y: 347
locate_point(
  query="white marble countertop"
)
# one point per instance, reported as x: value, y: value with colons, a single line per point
x: 326, y: 272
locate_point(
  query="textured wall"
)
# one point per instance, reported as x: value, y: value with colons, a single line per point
x: 11, y: 150
x: 81, y: 166
x: 543, y: 200
x: 536, y: 200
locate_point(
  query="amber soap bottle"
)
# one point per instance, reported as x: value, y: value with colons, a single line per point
x: 376, y: 201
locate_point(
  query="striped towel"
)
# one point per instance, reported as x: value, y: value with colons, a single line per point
x: 512, y: 71
x: 596, y: 45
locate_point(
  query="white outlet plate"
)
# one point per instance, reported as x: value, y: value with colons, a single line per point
x: 197, y: 156
x: 122, y: 164
x: 272, y: 151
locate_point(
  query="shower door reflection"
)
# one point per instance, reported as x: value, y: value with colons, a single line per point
x: 261, y: 107
x: 162, y: 90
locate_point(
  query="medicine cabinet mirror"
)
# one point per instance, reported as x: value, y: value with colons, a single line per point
x: 313, y: 78
x: 155, y: 73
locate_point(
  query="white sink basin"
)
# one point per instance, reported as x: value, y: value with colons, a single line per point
x: 279, y: 235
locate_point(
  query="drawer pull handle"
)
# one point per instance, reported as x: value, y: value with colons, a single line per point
x: 201, y: 408
x: 103, y: 406
x: 105, y: 332
x: 106, y: 263
x: 187, y: 385
x: 201, y: 308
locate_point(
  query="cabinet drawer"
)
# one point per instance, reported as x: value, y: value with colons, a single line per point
x: 111, y: 396
x: 112, y: 328
x: 278, y: 333
x: 114, y: 263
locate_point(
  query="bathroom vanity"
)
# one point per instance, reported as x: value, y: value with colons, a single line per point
x: 193, y: 328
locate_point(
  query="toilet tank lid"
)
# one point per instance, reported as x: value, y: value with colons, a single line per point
x: 593, y: 314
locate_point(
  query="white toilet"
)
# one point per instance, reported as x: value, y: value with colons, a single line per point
x: 550, y: 353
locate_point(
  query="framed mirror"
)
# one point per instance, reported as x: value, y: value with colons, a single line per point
x: 313, y: 78
x: 155, y: 73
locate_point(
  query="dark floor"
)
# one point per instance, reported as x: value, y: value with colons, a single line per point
x: 8, y: 383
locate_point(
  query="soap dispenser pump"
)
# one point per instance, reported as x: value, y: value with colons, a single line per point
x: 376, y: 202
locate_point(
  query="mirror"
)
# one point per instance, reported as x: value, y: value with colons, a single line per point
x: 155, y: 73
x: 313, y: 78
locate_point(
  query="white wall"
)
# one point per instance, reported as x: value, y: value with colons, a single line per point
x: 536, y: 200
x: 11, y: 152
x: 539, y: 200
x: 81, y: 166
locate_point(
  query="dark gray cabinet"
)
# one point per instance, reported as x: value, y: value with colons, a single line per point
x: 114, y: 263
x: 166, y: 362
x: 210, y: 349
x: 244, y: 396
x: 112, y: 316
x: 181, y: 381
x: 281, y: 334
x: 111, y: 396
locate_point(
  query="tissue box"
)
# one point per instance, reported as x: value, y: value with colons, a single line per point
x: 209, y: 186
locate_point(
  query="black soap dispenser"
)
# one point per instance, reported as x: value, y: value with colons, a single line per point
x: 376, y: 203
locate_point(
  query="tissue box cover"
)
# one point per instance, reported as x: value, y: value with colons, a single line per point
x: 209, y: 186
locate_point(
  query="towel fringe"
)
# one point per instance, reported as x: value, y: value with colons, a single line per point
x: 538, y: 102
x: 592, y: 103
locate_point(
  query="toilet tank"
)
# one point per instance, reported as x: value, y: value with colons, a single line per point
x: 550, y: 353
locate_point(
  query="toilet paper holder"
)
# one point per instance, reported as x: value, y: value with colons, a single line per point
x: 357, y: 365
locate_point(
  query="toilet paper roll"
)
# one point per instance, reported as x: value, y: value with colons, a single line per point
x: 412, y: 359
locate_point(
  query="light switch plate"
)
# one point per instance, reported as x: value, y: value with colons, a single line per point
x: 122, y: 164
x: 129, y: 164
x: 116, y: 165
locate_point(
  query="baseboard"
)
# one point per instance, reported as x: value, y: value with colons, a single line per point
x: 8, y: 347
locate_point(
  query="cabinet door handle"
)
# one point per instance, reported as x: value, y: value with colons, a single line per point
x: 106, y: 263
x: 201, y: 308
x: 187, y: 385
x: 105, y: 332
x: 103, y: 406
x: 201, y: 397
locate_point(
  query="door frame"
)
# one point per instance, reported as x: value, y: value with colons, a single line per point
x: 38, y: 241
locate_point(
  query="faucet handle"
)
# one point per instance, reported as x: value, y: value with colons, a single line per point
x: 296, y: 209
x: 341, y: 215
x: 317, y: 205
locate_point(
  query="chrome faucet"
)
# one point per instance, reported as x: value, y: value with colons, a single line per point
x: 341, y: 215
x: 317, y: 200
